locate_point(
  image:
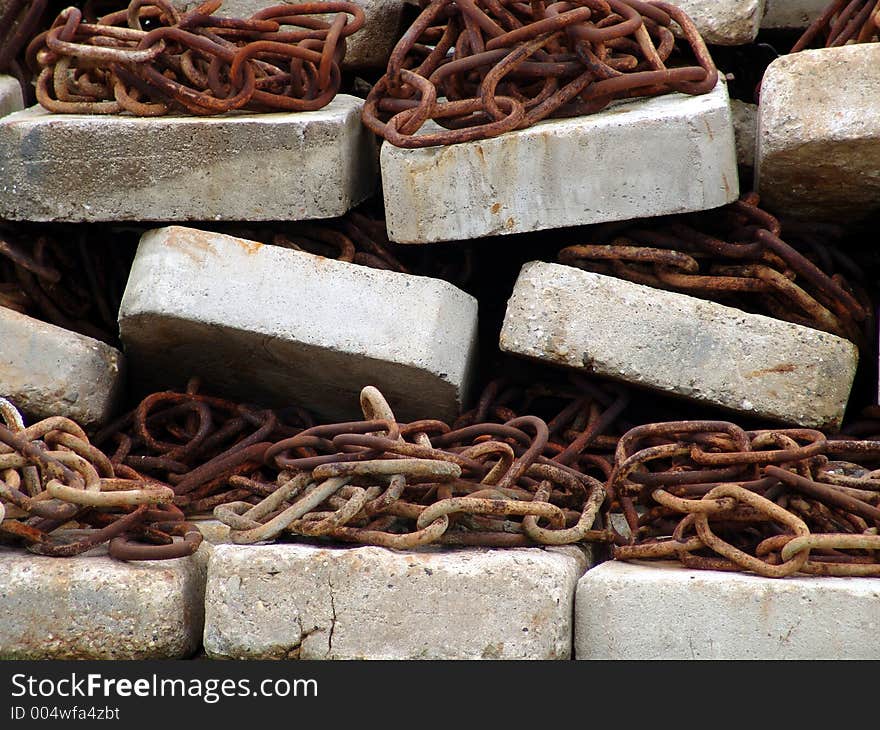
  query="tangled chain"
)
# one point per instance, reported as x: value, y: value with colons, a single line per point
x: 843, y: 22
x: 19, y: 21
x: 52, y: 478
x: 772, y: 502
x: 735, y: 255
x: 192, y: 62
x: 506, y: 64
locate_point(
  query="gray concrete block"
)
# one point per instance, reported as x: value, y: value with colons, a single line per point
x: 299, y: 601
x: 669, y: 154
x: 680, y: 345
x: 290, y: 166
x: 369, y: 47
x: 666, y: 611
x: 745, y: 128
x: 95, y: 607
x: 49, y: 371
x: 725, y: 22
x: 819, y: 133
x: 263, y: 322
x: 792, y: 13
x: 10, y: 96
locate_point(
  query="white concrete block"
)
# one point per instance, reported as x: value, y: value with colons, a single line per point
x: 264, y: 322
x: 289, y: 166
x: 49, y: 371
x: 669, y: 154
x: 94, y: 607
x: 679, y: 344
x: 666, y: 611
x: 725, y: 22
x: 792, y: 13
x: 369, y: 47
x: 10, y: 96
x: 819, y: 133
x: 299, y: 601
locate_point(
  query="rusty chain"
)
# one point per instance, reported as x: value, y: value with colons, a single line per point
x: 735, y: 255
x: 19, y: 22
x: 842, y: 22
x: 61, y: 496
x: 151, y: 59
x: 481, y: 68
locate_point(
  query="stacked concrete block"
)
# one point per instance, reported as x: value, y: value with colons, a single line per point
x: 678, y: 344
x: 792, y: 13
x: 290, y: 327
x: 665, y: 611
x: 304, y: 602
x: 818, y: 131
x: 49, y: 371
x: 725, y: 22
x: 745, y: 128
x: 231, y: 167
x: 10, y: 96
x: 95, y: 607
x: 670, y: 154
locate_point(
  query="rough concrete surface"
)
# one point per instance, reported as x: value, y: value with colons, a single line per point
x: 567, y: 172
x: 49, y: 371
x: 665, y: 611
x: 725, y: 22
x: 235, y: 166
x: 679, y: 344
x: 792, y: 13
x: 288, y: 327
x: 745, y: 128
x: 819, y: 133
x: 94, y: 607
x: 10, y: 96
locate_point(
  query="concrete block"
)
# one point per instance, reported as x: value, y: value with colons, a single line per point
x: 369, y: 47
x: 231, y: 167
x: 669, y: 154
x: 792, y: 13
x: 49, y: 371
x: 95, y: 607
x: 666, y: 611
x: 725, y: 22
x: 10, y: 96
x: 745, y: 129
x: 304, y: 602
x: 818, y: 132
x: 304, y: 329
x: 679, y: 344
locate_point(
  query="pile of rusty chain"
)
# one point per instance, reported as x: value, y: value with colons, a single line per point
x: 362, y: 239
x: 281, y: 58
x: 843, y: 22
x: 379, y: 482
x: 481, y: 68
x: 73, y: 279
x: 198, y: 445
x: 60, y: 496
x: 772, y: 502
x: 19, y: 22
x: 733, y: 255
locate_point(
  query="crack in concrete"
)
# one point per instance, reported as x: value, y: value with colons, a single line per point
x: 332, y: 618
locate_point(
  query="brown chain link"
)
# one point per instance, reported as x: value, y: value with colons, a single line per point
x: 842, y: 22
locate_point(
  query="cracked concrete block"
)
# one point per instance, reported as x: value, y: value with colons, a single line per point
x: 94, y: 607
x: 819, y: 133
x: 745, y: 129
x: 680, y: 345
x: 237, y: 166
x: 725, y: 22
x: 49, y: 371
x: 666, y: 611
x: 10, y: 96
x: 792, y: 13
x: 670, y: 154
x: 369, y: 47
x: 306, y: 330
x: 305, y: 602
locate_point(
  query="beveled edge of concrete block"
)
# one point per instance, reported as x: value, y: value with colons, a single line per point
x: 725, y: 22
x: 10, y: 96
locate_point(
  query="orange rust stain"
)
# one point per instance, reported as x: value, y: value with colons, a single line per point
x: 509, y: 223
x: 495, y: 208
x: 784, y: 368
x: 192, y: 242
x: 479, y: 149
x: 250, y: 247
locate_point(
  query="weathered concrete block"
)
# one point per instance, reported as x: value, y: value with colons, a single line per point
x: 299, y: 601
x: 10, y: 95
x: 818, y: 132
x: 665, y: 611
x: 49, y: 371
x: 745, y: 128
x: 369, y: 47
x: 679, y: 344
x: 725, y: 22
x: 792, y: 13
x: 95, y: 607
x: 670, y: 154
x: 231, y: 167
x: 303, y: 328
